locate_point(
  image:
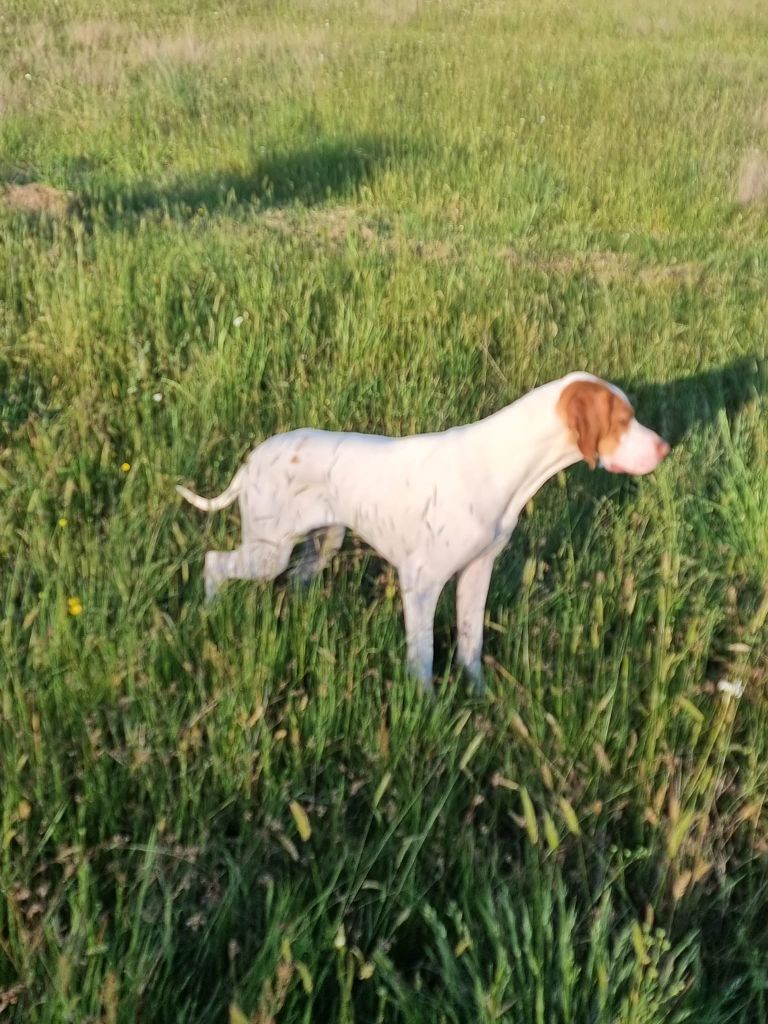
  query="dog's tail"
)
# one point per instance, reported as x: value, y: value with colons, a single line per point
x: 224, y: 500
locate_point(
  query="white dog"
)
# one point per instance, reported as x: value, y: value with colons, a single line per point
x: 434, y: 505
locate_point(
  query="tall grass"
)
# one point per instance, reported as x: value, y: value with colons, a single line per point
x: 388, y: 217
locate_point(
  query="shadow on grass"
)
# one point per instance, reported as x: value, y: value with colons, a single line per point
x: 677, y: 409
x: 306, y: 176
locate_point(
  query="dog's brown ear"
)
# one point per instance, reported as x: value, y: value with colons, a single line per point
x: 586, y: 409
x: 585, y: 429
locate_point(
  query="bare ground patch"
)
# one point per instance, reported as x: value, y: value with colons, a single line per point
x: 752, y: 178
x: 38, y: 199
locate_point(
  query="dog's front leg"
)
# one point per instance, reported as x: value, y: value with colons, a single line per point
x: 471, y: 595
x: 419, y: 604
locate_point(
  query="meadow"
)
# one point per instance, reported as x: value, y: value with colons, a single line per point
x: 221, y: 220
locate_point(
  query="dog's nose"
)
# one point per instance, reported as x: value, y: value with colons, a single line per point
x: 662, y: 448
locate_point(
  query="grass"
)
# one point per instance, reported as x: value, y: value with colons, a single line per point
x: 388, y: 217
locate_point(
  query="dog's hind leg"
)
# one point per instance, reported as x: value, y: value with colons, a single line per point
x: 254, y: 561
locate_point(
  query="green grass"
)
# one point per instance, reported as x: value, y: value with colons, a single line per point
x: 420, y: 211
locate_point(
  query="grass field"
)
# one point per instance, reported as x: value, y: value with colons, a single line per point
x: 387, y: 216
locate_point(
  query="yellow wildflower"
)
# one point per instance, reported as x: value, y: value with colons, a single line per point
x: 74, y: 605
x: 125, y: 467
x: 63, y: 522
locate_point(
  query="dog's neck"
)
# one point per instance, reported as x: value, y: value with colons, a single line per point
x: 522, y: 446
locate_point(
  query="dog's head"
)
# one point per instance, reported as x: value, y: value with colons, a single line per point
x: 602, y: 424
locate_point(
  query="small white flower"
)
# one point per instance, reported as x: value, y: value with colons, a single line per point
x: 238, y: 320
x: 731, y: 689
x: 28, y: 77
x: 157, y: 397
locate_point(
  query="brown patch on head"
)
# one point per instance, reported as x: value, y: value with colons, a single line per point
x: 595, y: 416
x: 294, y: 459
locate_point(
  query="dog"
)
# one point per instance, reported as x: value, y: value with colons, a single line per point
x: 433, y: 505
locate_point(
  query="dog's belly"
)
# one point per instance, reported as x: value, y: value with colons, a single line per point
x: 413, y: 520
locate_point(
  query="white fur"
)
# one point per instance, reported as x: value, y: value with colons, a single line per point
x: 434, y: 505
x: 638, y: 452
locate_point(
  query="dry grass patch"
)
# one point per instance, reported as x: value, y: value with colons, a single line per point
x: 608, y: 267
x: 752, y: 178
x: 95, y: 33
x: 38, y: 199
x: 181, y: 49
x: 336, y: 224
x: 395, y: 12
x: 101, y: 54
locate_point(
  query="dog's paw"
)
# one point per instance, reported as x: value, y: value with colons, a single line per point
x: 211, y: 577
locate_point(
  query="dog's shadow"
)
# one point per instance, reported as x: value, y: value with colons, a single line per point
x: 677, y: 409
